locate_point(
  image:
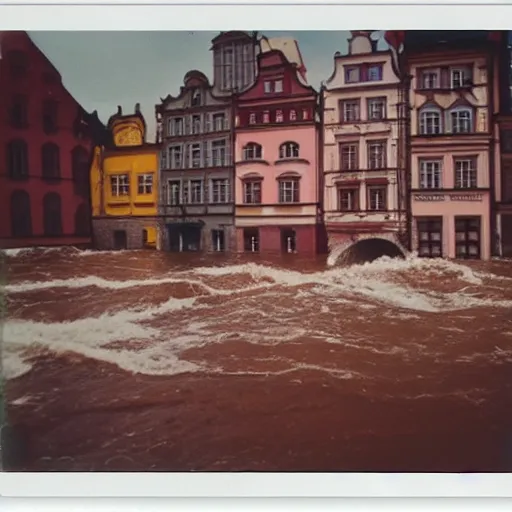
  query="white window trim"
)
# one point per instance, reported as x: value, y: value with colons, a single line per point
x: 169, y: 192
x: 285, y: 188
x: 226, y: 189
x: 278, y: 85
x: 431, y: 110
x: 376, y: 101
x: 435, y: 72
x: 288, y: 150
x: 171, y: 160
x: 119, y: 181
x: 425, y: 178
x: 253, y: 146
x: 460, y: 110
x: 189, y: 184
x: 357, y: 108
x: 145, y: 179
x: 464, y: 71
x: 191, y: 153
x: 465, y: 174
x: 376, y: 190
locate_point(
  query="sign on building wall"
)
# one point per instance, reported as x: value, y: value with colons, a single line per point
x: 449, y: 197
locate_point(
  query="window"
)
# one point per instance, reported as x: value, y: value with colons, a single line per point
x: 461, y: 121
x: 195, y: 155
x: 352, y: 74
x: 460, y: 77
x: 430, y: 122
x: 429, y: 79
x: 163, y: 159
x: 18, y: 63
x: 52, y: 216
x: 18, y: 112
x: 349, y: 156
x: 219, y: 191
x: 50, y: 158
x: 289, y: 150
x: 50, y: 108
x: 266, y: 116
x: 305, y: 114
x: 377, y: 154
x: 251, y: 240
x: 430, y: 237
x: 252, y: 192
x: 196, y: 191
x: 376, y: 109
x: 144, y: 184
x: 374, y: 73
x: 279, y: 116
x: 174, y: 192
x: 218, y: 240
x: 278, y: 86
x: 120, y: 185
x: 289, y: 190
x: 176, y: 126
x: 348, y: 199
x: 288, y: 240
x: 350, y: 111
x: 219, y: 153
x: 252, y: 151
x: 293, y: 115
x: 227, y: 68
x: 176, y: 157
x: 430, y: 174
x: 252, y: 118
x: 465, y: 173
x: 80, y: 170
x: 219, y: 122
x: 196, y: 124
x: 267, y: 86
x: 21, y: 216
x: 467, y: 237
x: 196, y: 98
x: 377, y: 198
x: 17, y: 159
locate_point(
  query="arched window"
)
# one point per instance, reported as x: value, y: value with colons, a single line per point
x: 461, y: 120
x: 17, y: 159
x: 80, y: 170
x: 21, y: 217
x: 52, y: 216
x: 430, y: 121
x: 82, y: 225
x: 289, y: 150
x: 252, y: 151
x: 50, y: 156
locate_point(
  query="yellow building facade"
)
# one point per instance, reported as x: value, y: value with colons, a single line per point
x: 124, y: 186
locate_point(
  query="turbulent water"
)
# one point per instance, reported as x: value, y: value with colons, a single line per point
x: 151, y: 361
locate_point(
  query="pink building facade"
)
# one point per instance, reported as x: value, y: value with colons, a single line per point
x: 277, y: 189
x: 453, y: 154
x: 360, y: 133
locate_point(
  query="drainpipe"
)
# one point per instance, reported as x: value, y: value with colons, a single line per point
x: 320, y: 168
x: 408, y: 159
x: 492, y: 146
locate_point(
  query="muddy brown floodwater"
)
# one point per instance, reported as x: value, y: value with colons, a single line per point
x: 148, y: 361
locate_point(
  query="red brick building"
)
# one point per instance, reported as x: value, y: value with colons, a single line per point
x: 45, y: 150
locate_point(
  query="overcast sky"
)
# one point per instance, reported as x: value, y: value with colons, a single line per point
x: 105, y: 69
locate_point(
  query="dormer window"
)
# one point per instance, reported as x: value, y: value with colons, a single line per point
x: 267, y: 85
x: 266, y: 117
x: 279, y: 116
x: 252, y: 118
x: 374, y: 73
x: 352, y: 74
x: 460, y: 77
x: 278, y: 86
x: 293, y: 115
x: 196, y: 98
x: 305, y: 114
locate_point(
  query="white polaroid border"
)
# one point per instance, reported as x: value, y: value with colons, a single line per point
x: 258, y: 15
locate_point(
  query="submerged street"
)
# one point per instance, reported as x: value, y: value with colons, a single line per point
x: 149, y: 361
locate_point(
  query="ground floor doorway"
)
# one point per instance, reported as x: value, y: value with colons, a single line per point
x: 430, y: 237
x: 184, y: 237
x: 120, y: 240
x: 467, y: 238
x: 288, y: 240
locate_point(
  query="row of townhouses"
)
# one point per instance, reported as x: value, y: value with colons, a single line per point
x: 410, y: 146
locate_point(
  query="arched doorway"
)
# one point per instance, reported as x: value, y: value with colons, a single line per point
x: 52, y: 214
x: 82, y: 220
x: 368, y: 250
x: 21, y: 215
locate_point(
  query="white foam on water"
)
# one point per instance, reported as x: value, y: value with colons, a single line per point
x: 160, y: 353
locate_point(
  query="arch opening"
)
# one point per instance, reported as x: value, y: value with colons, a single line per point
x: 368, y: 250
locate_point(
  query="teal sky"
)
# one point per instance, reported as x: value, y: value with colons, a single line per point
x: 105, y: 69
